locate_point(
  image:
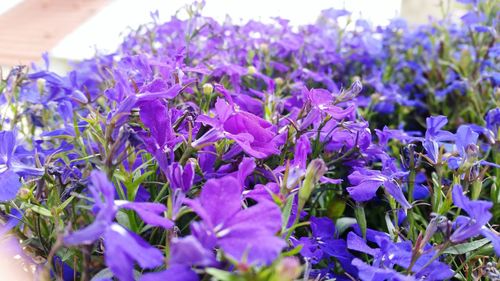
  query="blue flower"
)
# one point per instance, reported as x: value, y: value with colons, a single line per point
x: 365, y: 184
x: 324, y: 243
x: 11, y: 167
x: 434, y: 136
x: 475, y: 224
x: 389, y: 255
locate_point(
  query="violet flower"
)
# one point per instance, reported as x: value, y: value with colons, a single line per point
x: 11, y: 167
x: 181, y: 180
x: 466, y: 140
x: 122, y: 247
x: 252, y: 133
x: 245, y: 235
x: 479, y: 215
x: 323, y: 101
x: 390, y: 254
x: 180, y: 177
x: 365, y: 184
x: 466, y: 146
x: 161, y: 138
x: 14, y: 255
x: 185, y: 253
x: 324, y: 243
x: 492, y: 119
x: 434, y: 135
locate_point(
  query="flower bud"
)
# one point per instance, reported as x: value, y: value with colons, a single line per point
x: 288, y: 269
x: 375, y: 97
x: 279, y: 81
x: 251, y: 70
x: 24, y: 193
x: 353, y: 91
x: 472, y: 150
x: 315, y: 170
x: 40, y: 83
x: 264, y: 48
x: 208, y: 89
x: 79, y: 96
x: 359, y: 213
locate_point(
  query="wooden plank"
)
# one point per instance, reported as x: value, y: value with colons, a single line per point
x: 35, y: 26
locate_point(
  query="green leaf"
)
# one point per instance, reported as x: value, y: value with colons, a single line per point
x: 123, y: 219
x: 65, y: 254
x: 222, y: 275
x: 133, y: 186
x: 103, y: 274
x: 336, y: 208
x: 465, y: 248
x: 39, y: 210
x: 61, y: 207
x: 293, y: 251
x: 359, y: 212
x: 342, y: 224
x: 285, y: 214
x: 106, y: 274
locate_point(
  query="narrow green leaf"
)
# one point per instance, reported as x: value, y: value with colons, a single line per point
x: 39, y: 210
x: 464, y: 248
x: 285, y: 214
x: 222, y: 275
x: 61, y: 207
x: 342, y: 224
x: 359, y: 212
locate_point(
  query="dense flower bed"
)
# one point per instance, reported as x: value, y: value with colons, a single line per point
x: 261, y: 152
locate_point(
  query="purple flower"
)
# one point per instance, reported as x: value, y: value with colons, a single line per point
x: 245, y: 235
x: 368, y: 272
x: 365, y: 184
x: 324, y: 243
x: 465, y: 138
x: 185, y: 253
x: 491, y: 130
x: 334, y: 14
x: 434, y: 126
x: 13, y: 253
x: 161, y: 138
x: 323, y: 101
x: 479, y: 215
x: 492, y: 119
x: 473, y: 18
x: 189, y: 251
x: 253, y: 134
x: 11, y: 167
x: 393, y: 134
x: 180, y: 177
x: 465, y: 143
x: 181, y: 180
x: 122, y: 247
x: 174, y: 273
x: 13, y: 220
x: 264, y: 192
x: 390, y: 254
x: 434, y: 135
x: 10, y: 185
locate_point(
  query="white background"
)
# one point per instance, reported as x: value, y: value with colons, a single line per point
x: 105, y: 30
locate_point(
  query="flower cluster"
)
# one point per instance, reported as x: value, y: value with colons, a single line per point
x: 200, y: 150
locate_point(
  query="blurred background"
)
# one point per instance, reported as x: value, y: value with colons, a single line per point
x: 74, y: 29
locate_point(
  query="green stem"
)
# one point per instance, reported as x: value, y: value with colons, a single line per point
x: 411, y: 188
